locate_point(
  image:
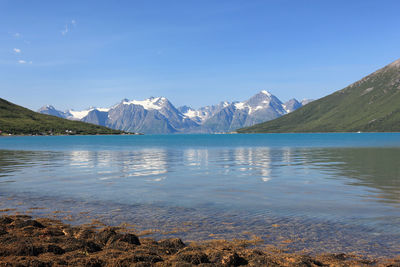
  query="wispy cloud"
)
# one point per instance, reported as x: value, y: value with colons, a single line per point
x: 66, y: 30
x: 68, y: 26
x: 21, y: 61
x: 17, y: 50
x: 19, y: 36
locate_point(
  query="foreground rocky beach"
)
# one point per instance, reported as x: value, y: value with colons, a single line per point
x: 25, y: 241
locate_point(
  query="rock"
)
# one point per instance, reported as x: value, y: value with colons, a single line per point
x: 145, y: 264
x: 19, y: 223
x: 37, y: 263
x: 5, y: 220
x: 26, y: 249
x: 175, y: 243
x: 72, y: 244
x: 52, y: 232
x: 130, y: 239
x: 29, y: 230
x: 233, y: 259
x: 145, y: 258
x: 84, y: 234
x: 55, y: 249
x: 35, y: 224
x: 226, y: 257
x: 148, y: 241
x: 107, y: 234
x: 94, y: 262
x: 192, y: 256
x: 338, y: 256
x: 3, y: 231
x: 171, y: 245
x: 91, y: 247
x: 308, y: 261
x: 141, y: 260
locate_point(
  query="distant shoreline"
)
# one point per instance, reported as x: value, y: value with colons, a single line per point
x: 178, y: 134
x: 7, y: 135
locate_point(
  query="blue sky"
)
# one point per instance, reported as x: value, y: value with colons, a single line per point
x: 74, y: 54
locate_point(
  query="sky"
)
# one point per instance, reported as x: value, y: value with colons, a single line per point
x: 76, y: 54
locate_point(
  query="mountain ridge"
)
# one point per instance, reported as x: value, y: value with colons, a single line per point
x: 157, y: 115
x: 367, y: 105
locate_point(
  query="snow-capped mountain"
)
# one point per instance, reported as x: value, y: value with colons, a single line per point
x: 262, y: 107
x: 292, y: 105
x: 203, y: 113
x: 152, y: 115
x: 50, y: 110
x: 69, y: 114
x: 79, y: 115
x: 157, y: 115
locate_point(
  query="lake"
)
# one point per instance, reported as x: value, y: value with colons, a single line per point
x: 301, y: 192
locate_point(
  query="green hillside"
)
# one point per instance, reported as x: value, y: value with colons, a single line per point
x: 369, y: 105
x: 15, y: 119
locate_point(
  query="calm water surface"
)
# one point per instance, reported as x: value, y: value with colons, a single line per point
x: 310, y: 192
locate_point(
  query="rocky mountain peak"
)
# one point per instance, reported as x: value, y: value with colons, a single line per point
x: 263, y: 98
x: 291, y: 105
x: 395, y: 63
x: 184, y: 109
x: 47, y: 107
x: 265, y: 92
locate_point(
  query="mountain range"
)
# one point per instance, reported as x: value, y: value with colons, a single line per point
x: 157, y: 115
x: 368, y: 105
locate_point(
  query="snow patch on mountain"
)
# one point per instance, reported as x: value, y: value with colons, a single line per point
x: 240, y: 105
x: 79, y: 114
x: 202, y: 114
x: 149, y: 103
x: 265, y: 92
x: 191, y: 113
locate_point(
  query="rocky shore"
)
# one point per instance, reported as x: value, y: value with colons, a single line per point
x: 25, y: 241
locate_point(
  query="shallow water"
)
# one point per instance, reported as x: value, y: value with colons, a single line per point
x: 310, y: 192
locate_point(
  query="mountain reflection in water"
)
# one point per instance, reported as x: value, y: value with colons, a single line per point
x: 349, y: 191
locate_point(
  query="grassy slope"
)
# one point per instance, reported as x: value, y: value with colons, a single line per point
x: 371, y: 105
x: 15, y: 119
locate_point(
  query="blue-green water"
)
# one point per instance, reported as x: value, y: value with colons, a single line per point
x: 311, y: 192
